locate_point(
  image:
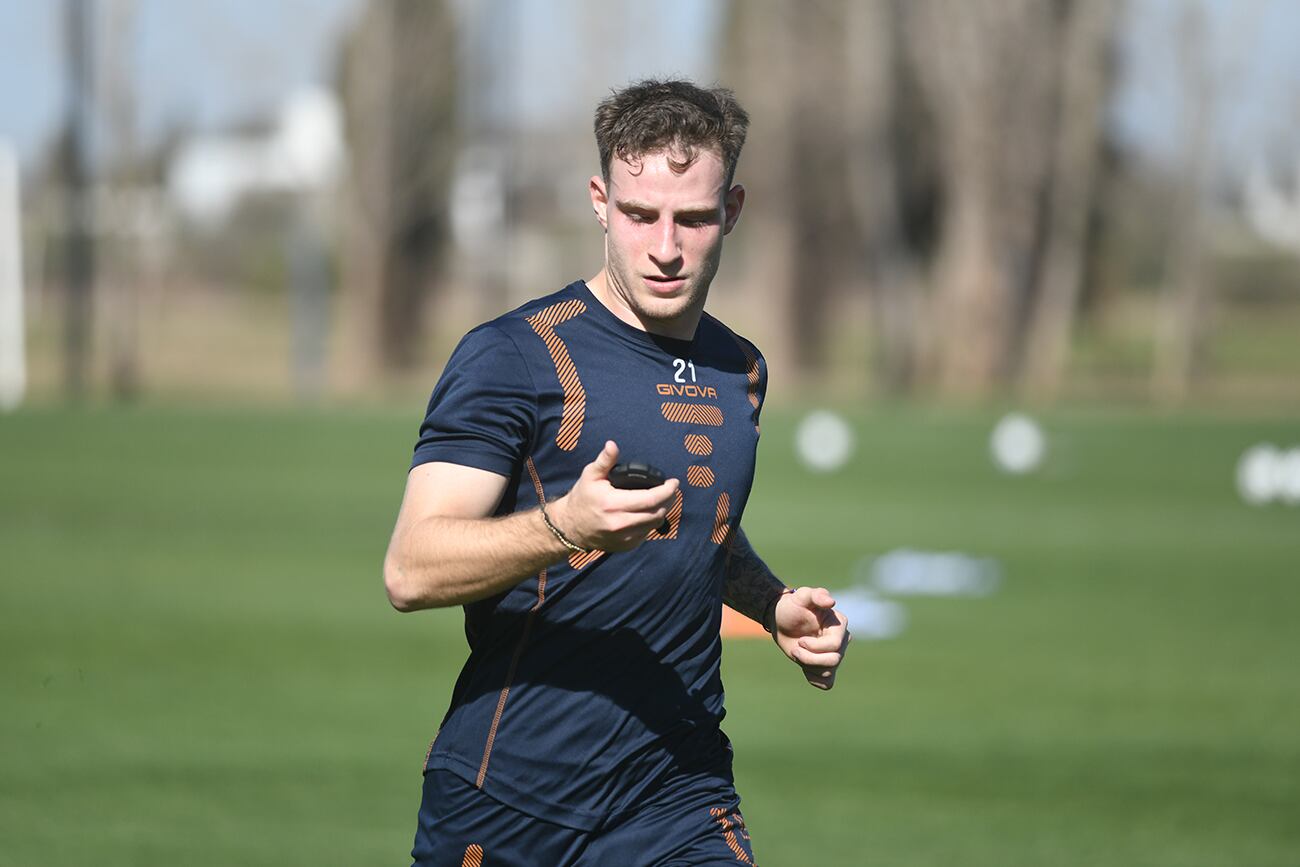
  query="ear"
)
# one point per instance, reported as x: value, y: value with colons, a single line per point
x: 735, y: 200
x: 599, y: 200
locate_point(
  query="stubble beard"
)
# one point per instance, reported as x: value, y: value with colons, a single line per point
x: 630, y: 289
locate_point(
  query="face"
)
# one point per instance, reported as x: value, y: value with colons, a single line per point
x: 663, y: 238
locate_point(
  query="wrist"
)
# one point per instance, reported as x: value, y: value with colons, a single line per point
x: 769, y: 613
x: 553, y: 516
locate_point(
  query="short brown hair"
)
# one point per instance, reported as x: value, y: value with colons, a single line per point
x: 673, y: 115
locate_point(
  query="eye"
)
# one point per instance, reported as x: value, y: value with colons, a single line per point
x: 639, y: 218
x: 696, y: 219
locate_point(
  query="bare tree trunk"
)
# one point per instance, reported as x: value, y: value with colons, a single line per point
x: 1079, y: 130
x: 80, y: 252
x: 819, y: 202
x: 761, y: 63
x: 1184, y: 300
x: 973, y: 301
x: 124, y: 300
x: 870, y: 32
x: 988, y: 69
x: 399, y: 84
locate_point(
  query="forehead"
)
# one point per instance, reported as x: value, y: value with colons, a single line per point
x: 657, y: 177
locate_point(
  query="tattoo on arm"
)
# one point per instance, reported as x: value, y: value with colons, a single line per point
x: 750, y: 587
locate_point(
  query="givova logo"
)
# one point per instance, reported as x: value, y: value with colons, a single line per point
x: 668, y: 389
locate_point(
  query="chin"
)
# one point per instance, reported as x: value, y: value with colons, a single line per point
x: 658, y: 307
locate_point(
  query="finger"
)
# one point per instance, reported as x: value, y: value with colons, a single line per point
x: 832, y: 621
x: 604, y: 462
x: 665, y: 494
x: 820, y: 597
x: 647, y: 500
x: 809, y: 623
x: 804, y: 596
x: 829, y: 640
x: 821, y: 661
x: 814, y: 599
x: 648, y: 521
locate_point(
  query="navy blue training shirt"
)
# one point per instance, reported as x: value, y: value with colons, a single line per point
x: 595, y: 685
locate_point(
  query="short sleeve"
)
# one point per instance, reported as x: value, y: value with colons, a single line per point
x: 483, y: 411
x: 757, y: 362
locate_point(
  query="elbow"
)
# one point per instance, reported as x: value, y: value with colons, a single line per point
x: 403, y: 593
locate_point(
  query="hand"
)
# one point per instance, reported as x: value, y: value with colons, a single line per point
x: 811, y: 632
x: 597, y: 515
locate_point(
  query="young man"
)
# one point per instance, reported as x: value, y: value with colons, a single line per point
x: 584, y: 728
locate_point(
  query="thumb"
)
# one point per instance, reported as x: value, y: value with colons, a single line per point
x: 604, y: 462
x: 820, y: 597
x: 803, y: 597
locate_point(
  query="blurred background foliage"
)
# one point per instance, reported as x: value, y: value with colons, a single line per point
x: 1012, y: 199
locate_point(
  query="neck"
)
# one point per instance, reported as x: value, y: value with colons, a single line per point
x: 680, y: 328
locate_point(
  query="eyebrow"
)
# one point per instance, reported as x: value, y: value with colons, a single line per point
x: 688, y: 211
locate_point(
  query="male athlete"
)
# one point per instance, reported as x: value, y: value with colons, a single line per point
x: 584, y: 727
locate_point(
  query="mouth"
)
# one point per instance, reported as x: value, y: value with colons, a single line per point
x: 662, y: 285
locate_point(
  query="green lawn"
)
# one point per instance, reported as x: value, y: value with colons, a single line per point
x: 199, y: 666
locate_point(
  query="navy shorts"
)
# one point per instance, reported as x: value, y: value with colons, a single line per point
x: 460, y: 826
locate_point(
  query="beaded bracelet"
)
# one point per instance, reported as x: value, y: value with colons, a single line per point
x: 564, y: 540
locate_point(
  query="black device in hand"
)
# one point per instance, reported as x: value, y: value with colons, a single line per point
x: 634, y: 476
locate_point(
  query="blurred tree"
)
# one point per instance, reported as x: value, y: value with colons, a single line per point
x: 75, y: 171
x: 988, y: 68
x: 1181, y: 326
x: 398, y: 80
x: 1017, y: 90
x: 124, y: 284
x: 788, y: 64
x: 760, y: 65
x: 947, y: 149
x: 877, y: 111
x: 825, y: 237
x: 1086, y: 79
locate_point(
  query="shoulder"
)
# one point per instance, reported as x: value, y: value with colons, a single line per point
x: 515, y: 330
x: 547, y: 309
x: 724, y: 339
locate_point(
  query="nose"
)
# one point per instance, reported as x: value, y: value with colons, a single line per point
x: 667, y: 249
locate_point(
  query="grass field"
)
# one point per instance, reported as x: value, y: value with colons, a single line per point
x: 199, y: 666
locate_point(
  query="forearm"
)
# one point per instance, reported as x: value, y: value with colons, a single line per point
x: 750, y: 587
x: 441, y: 561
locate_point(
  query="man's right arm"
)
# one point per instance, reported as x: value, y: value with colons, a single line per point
x: 446, y: 549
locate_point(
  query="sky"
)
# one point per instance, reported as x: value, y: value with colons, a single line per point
x: 208, y: 62
x: 211, y: 63
x: 1256, y: 72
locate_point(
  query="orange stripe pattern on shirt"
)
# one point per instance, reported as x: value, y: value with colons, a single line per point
x: 699, y: 444
x: 751, y: 372
x: 575, y: 397
x: 699, y: 477
x: 674, y: 519
x: 722, y: 521
x: 693, y: 413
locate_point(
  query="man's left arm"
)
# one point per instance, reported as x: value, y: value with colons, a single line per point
x: 803, y: 622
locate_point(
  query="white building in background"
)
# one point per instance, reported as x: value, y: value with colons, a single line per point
x: 1273, y: 212
x: 304, y: 152
x: 13, y: 355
